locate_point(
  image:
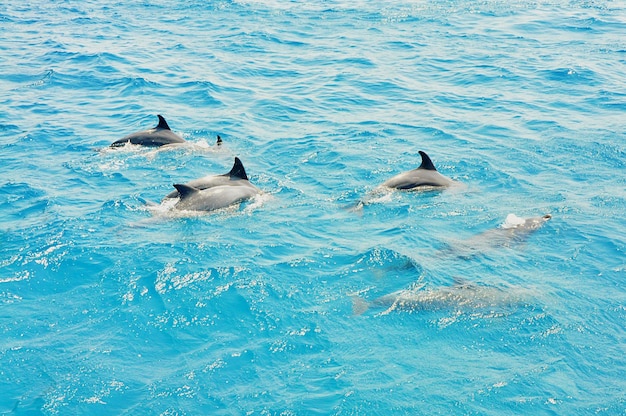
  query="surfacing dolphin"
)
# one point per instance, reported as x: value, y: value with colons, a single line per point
x: 461, y: 296
x: 155, y: 137
x: 425, y: 177
x: 215, y: 192
x: 235, y: 177
x: 514, y: 230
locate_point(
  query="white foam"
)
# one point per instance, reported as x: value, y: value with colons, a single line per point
x: 513, y: 221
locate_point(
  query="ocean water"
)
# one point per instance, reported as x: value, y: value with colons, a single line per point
x: 110, y: 304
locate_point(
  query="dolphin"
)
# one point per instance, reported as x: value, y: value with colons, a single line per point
x: 236, y: 177
x: 222, y: 196
x: 514, y: 230
x: 215, y: 192
x: 155, y: 137
x: 460, y: 296
x: 425, y: 177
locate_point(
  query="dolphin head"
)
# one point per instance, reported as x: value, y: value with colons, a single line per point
x: 536, y: 222
x: 514, y: 222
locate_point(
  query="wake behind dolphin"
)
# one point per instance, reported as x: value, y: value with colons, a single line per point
x: 160, y: 135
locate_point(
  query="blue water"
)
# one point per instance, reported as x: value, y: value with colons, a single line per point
x: 110, y: 306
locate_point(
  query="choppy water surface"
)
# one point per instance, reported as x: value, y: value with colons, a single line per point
x: 295, y: 302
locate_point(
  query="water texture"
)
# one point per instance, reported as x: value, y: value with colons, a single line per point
x: 112, y: 305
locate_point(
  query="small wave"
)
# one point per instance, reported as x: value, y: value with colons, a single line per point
x: 28, y: 81
x: 571, y: 75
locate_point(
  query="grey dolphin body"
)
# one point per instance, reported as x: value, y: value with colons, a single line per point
x: 219, y: 191
x: 460, y: 296
x: 424, y: 177
x: 514, y: 231
x: 236, y: 177
x: 155, y: 137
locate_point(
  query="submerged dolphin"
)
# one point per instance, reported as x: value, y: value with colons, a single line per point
x: 215, y: 192
x: 514, y: 231
x: 154, y: 137
x: 236, y: 177
x: 460, y: 296
x: 424, y: 177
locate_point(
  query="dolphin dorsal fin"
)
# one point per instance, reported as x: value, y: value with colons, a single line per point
x: 185, y: 190
x: 238, y: 170
x: 426, y: 162
x: 162, y: 123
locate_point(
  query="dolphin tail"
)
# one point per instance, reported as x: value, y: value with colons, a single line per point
x: 238, y: 171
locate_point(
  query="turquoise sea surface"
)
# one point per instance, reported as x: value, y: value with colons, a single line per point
x: 302, y: 301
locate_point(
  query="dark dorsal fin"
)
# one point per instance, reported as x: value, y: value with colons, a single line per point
x: 238, y: 170
x: 219, y: 140
x: 426, y: 162
x: 185, y: 190
x: 162, y: 123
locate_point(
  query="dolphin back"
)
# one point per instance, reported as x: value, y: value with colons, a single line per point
x: 154, y: 137
x: 235, y: 177
x: 213, y: 198
x: 424, y: 177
